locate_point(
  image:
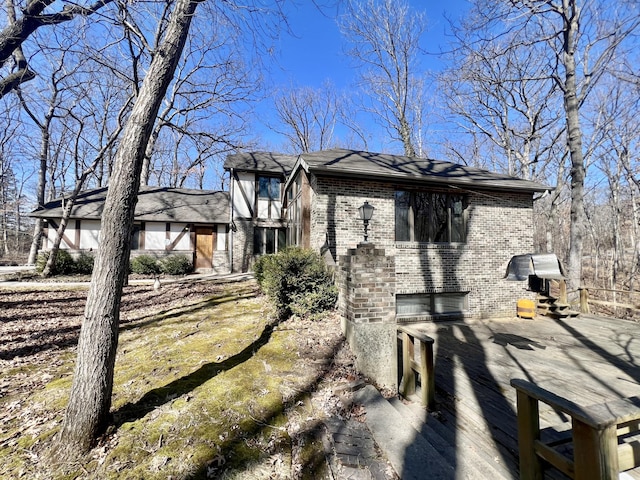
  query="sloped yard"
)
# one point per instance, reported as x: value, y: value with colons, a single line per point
x: 206, y: 386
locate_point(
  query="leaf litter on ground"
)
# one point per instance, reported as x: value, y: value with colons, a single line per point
x: 207, y: 385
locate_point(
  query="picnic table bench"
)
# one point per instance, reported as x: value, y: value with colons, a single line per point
x: 423, y: 367
x: 605, y: 438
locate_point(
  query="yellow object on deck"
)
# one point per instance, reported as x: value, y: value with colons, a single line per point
x: 526, y: 308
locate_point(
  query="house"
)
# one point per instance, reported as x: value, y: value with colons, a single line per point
x: 436, y: 248
x: 258, y: 221
x: 451, y: 229
x: 168, y: 221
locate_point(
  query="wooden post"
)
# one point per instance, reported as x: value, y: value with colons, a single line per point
x: 428, y: 375
x: 563, y: 292
x: 408, y: 382
x: 595, y: 452
x: 584, y: 300
x: 528, y: 433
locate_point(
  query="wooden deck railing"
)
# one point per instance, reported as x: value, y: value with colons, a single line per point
x: 422, y: 367
x: 602, y: 436
x: 586, y: 299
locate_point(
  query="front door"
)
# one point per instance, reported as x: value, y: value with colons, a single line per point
x: 204, y: 247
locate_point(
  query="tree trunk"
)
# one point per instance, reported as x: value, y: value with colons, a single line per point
x: 42, y: 175
x: 87, y: 413
x: 574, y: 141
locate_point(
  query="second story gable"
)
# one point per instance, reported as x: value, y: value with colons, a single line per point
x: 257, y: 180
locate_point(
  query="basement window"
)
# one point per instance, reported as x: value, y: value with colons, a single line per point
x: 444, y: 303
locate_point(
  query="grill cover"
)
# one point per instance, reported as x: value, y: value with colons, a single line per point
x: 542, y: 265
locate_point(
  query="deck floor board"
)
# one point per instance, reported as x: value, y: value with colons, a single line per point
x: 586, y: 359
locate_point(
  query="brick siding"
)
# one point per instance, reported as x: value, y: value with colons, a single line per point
x: 499, y: 225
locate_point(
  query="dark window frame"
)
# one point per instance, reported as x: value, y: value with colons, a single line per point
x: 429, y: 216
x: 269, y: 188
x: 267, y: 240
x: 431, y: 304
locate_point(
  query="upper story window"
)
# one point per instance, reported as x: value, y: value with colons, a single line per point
x: 437, y: 217
x: 269, y: 188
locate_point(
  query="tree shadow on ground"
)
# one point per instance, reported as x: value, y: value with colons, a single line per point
x: 310, y: 464
x: 176, y: 312
x: 159, y: 396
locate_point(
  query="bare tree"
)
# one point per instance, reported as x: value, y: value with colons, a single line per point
x: 87, y: 412
x: 575, y: 41
x: 205, y: 108
x: 44, y: 125
x: 507, y: 96
x: 309, y: 117
x: 384, y: 38
x: 83, y: 169
x: 18, y: 30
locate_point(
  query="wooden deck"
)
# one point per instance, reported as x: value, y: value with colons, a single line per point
x: 587, y: 359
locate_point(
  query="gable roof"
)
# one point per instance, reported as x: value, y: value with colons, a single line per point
x: 261, y: 162
x: 379, y: 166
x: 155, y: 204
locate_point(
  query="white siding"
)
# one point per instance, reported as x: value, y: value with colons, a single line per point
x: 89, y: 234
x: 222, y: 237
x: 185, y: 242
x: 246, y: 184
x: 69, y: 232
x: 155, y: 236
x: 263, y: 208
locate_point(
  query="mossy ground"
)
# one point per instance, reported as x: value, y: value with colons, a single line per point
x: 210, y: 389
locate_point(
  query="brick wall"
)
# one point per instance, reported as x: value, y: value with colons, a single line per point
x: 499, y: 225
x: 242, y: 245
x: 366, y: 282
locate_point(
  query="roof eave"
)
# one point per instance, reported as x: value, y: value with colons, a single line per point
x: 429, y: 180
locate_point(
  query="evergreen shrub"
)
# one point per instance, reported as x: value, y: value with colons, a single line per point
x: 298, y: 282
x: 64, y: 265
x: 176, y: 265
x: 145, y: 265
x: 84, y: 264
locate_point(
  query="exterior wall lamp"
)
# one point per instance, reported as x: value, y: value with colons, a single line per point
x: 366, y: 212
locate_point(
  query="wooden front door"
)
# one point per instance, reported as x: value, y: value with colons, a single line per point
x: 204, y: 247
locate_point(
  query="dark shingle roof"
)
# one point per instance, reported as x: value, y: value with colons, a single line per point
x: 353, y: 163
x: 261, y: 162
x: 155, y: 204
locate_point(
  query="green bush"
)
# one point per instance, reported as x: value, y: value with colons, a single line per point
x: 145, y: 265
x: 84, y: 264
x: 64, y: 265
x: 297, y: 280
x: 41, y: 261
x: 176, y: 265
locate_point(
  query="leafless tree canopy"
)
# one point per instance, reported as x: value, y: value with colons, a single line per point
x: 383, y: 38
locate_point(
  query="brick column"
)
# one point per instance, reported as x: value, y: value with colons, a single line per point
x: 367, y: 283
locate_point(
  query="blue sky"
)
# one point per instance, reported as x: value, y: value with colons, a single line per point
x: 315, y: 53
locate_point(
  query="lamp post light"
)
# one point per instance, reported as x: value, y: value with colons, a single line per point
x: 366, y: 212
